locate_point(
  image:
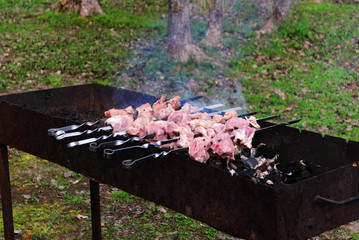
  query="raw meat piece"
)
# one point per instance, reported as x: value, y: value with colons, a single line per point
x: 186, y: 139
x: 244, y: 136
x: 222, y: 144
x: 236, y: 122
x: 229, y: 115
x: 159, y: 128
x: 162, y: 109
x: 218, y: 118
x: 207, y: 133
x: 199, y: 122
x: 160, y: 103
x: 202, y: 116
x: 181, y: 116
x: 120, y: 123
x: 113, y: 112
x: 175, y: 102
x: 253, y: 122
x: 219, y: 128
x: 198, y: 149
x: 163, y: 112
x: 139, y: 126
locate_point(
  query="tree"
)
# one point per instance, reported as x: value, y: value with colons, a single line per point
x: 280, y: 12
x: 179, y: 38
x: 84, y: 7
x: 214, y: 31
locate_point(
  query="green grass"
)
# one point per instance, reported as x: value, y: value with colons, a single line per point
x: 308, y: 59
x: 307, y: 69
x: 48, y: 48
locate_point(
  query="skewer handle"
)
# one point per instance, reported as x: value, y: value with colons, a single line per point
x: 129, y: 162
x: 74, y: 134
x: 62, y: 130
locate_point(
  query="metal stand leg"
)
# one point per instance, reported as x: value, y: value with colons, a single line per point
x: 6, y: 193
x: 95, y: 210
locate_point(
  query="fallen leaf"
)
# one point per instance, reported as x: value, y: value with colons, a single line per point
x: 75, y: 182
x: 26, y: 196
x: 69, y: 174
x: 353, y: 227
x: 162, y: 210
x: 280, y: 93
x: 323, y: 128
x: 38, y: 178
x: 53, y: 182
x: 79, y: 216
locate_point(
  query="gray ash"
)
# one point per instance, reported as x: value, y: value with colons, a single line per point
x: 261, y: 165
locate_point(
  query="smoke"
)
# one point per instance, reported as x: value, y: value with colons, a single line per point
x: 152, y: 71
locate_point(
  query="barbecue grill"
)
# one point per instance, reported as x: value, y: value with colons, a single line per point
x: 233, y: 204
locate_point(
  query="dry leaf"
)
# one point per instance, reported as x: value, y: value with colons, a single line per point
x: 79, y: 216
x: 349, y: 128
x: 323, y: 128
x: 26, y: 196
x: 162, y: 210
x: 280, y: 93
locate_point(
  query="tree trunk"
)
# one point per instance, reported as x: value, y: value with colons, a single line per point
x: 281, y: 10
x: 90, y: 6
x: 84, y: 7
x: 213, y: 34
x: 179, y: 40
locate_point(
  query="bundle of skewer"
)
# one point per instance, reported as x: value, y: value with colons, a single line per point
x: 177, y: 127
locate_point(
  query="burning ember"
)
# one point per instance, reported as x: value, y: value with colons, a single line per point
x: 219, y: 138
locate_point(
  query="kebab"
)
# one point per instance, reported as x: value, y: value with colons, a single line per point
x: 181, y: 126
x: 200, y: 149
x: 200, y: 133
x: 163, y: 123
x: 124, y: 119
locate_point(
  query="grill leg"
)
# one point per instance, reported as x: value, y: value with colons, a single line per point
x: 6, y: 193
x: 95, y: 210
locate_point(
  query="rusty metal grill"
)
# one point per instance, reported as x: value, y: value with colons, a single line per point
x: 232, y: 204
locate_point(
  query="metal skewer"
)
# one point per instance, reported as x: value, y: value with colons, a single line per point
x: 62, y: 130
x: 94, y: 146
x: 190, y: 100
x: 267, y: 118
x: 86, y: 132
x: 278, y: 125
x: 109, y: 152
x: 129, y: 162
x: 90, y: 140
x: 247, y: 114
x: 226, y: 110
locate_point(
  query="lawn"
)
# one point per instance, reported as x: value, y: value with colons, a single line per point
x: 306, y: 69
